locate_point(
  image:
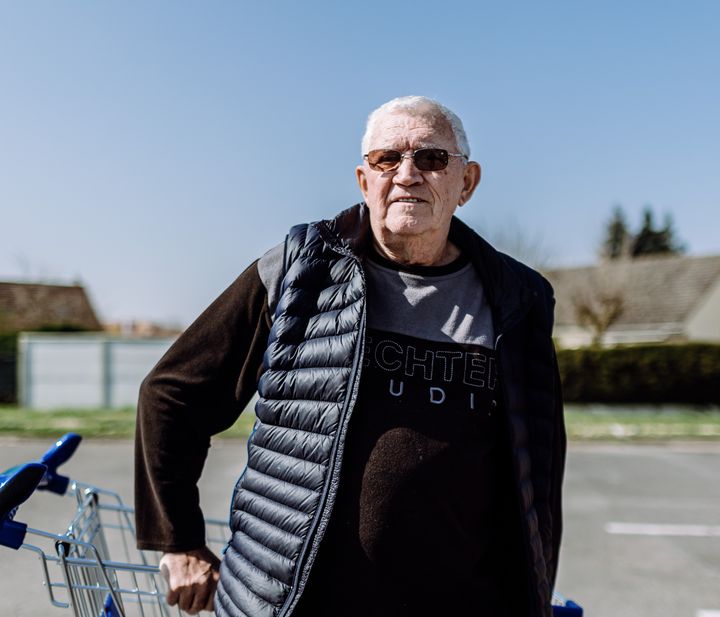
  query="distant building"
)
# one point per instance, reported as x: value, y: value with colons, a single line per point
x: 651, y: 299
x: 33, y: 306
x: 142, y: 329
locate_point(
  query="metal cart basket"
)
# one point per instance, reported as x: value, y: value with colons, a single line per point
x: 92, y: 568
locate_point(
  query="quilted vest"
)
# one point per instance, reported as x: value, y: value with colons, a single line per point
x: 283, y: 500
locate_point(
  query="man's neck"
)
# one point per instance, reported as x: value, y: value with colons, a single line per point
x: 417, y: 251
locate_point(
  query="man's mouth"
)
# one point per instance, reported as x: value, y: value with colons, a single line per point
x: 407, y: 200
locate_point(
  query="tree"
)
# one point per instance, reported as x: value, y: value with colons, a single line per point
x: 518, y: 243
x: 620, y: 242
x: 599, y: 300
x: 598, y: 313
x: 652, y: 241
x: 617, y: 236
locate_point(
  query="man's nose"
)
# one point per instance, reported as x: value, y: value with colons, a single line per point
x: 407, y: 173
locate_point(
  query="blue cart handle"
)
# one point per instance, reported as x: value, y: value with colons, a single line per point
x: 15, y: 488
x: 58, y: 454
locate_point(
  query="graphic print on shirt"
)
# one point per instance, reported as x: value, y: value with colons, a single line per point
x: 410, y: 373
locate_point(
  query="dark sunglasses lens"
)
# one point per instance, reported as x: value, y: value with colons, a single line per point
x: 384, y: 160
x: 431, y: 159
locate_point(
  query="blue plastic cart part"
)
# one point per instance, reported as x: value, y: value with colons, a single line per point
x: 58, y: 454
x: 109, y: 609
x: 16, y: 486
x: 567, y: 609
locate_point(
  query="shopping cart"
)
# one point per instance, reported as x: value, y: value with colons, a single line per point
x: 80, y: 567
x: 93, y: 568
x: 562, y: 607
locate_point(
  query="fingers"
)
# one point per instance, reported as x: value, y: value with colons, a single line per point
x: 205, y: 595
x: 198, y: 597
x: 192, y: 598
x: 172, y: 597
x: 173, y: 593
x: 187, y: 594
x: 192, y: 578
x: 200, y: 600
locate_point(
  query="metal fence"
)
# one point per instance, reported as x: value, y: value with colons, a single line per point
x: 63, y: 370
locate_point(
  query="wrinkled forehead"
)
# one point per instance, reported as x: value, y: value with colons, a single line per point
x: 408, y: 131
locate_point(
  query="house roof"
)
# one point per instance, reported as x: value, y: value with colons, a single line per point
x: 654, y: 290
x: 30, y: 306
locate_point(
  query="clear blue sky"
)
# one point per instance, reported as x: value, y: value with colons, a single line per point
x: 153, y: 149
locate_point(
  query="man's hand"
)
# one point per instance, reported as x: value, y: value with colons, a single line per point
x: 192, y: 578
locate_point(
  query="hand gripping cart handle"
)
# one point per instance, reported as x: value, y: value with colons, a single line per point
x: 79, y: 566
x: 92, y: 568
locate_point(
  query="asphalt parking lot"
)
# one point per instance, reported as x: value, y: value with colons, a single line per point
x: 642, y: 523
x: 642, y: 530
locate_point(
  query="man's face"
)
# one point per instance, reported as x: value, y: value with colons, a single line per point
x: 407, y: 201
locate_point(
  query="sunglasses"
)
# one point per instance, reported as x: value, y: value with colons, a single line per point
x: 425, y: 159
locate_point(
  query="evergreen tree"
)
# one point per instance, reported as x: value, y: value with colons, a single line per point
x: 646, y: 242
x: 652, y: 241
x: 617, y: 235
x: 670, y: 238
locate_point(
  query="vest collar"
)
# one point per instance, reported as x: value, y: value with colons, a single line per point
x: 510, y: 299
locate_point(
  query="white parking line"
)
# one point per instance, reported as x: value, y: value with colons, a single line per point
x: 706, y: 613
x: 652, y: 529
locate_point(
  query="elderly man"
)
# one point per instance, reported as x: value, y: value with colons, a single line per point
x: 409, y: 447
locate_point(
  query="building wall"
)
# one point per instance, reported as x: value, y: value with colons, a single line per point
x: 571, y: 337
x: 704, y: 322
x: 83, y: 370
x: 574, y: 337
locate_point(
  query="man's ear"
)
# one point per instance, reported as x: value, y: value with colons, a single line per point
x: 471, y: 178
x: 361, y: 180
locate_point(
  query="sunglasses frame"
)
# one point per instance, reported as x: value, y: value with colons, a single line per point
x: 412, y: 155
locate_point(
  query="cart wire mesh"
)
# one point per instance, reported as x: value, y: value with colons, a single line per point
x: 94, y: 569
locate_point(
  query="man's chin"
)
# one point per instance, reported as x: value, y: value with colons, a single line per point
x: 406, y: 225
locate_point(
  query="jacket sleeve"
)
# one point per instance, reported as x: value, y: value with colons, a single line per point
x: 559, y: 449
x: 197, y: 389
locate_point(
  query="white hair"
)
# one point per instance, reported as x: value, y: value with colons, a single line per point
x: 417, y: 106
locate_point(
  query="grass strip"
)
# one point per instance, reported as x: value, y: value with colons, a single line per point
x: 102, y: 423
x: 583, y: 423
x: 607, y: 423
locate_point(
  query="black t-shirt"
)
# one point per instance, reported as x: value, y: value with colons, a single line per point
x: 423, y: 521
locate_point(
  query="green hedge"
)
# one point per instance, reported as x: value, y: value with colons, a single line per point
x: 8, y: 342
x: 8, y: 361
x: 688, y: 373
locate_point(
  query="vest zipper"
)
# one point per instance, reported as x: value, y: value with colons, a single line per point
x: 309, y: 550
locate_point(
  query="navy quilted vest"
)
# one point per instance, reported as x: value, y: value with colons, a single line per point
x: 283, y: 500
